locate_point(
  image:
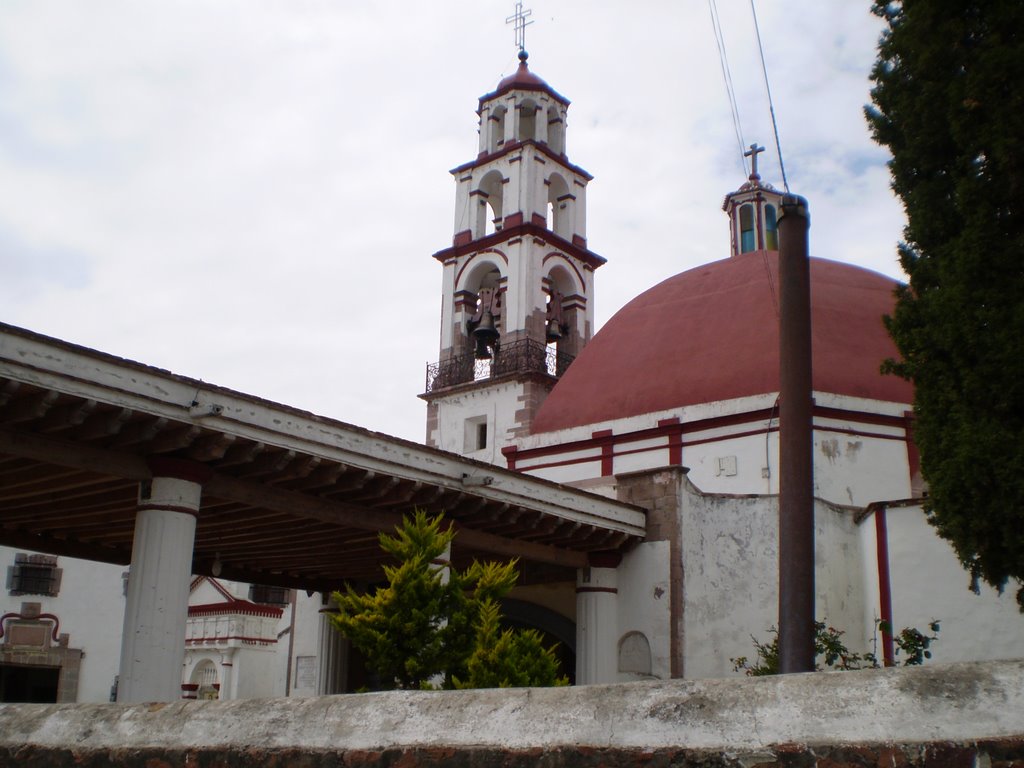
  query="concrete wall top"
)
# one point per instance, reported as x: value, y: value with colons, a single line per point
x: 957, y: 702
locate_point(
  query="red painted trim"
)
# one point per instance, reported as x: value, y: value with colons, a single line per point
x: 610, y: 590
x: 244, y: 607
x: 667, y: 428
x: 604, y: 438
x: 510, y: 452
x: 588, y: 257
x: 884, y: 585
x: 168, y: 508
x: 482, y: 252
x: 582, y: 286
x: 675, y: 439
x: 48, y: 616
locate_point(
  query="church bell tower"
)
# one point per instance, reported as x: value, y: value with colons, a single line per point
x: 518, y: 279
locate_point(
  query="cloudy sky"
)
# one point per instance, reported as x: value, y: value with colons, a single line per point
x: 249, y: 191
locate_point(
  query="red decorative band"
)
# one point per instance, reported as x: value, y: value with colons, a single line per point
x: 149, y: 507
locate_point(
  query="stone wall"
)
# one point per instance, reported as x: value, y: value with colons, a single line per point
x: 954, y: 715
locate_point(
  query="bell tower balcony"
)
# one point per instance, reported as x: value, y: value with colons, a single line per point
x: 513, y: 359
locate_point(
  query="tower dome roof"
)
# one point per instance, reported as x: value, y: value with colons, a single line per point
x: 524, y: 80
x: 711, y: 333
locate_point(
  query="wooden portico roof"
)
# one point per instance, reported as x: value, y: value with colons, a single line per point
x: 294, y: 499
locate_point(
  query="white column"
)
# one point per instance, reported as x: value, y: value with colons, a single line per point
x: 597, y: 624
x: 156, y: 610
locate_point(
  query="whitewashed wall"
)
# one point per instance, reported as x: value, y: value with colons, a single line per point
x: 929, y: 583
x: 90, y: 606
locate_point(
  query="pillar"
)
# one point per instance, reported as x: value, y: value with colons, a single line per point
x: 597, y: 620
x: 156, y: 610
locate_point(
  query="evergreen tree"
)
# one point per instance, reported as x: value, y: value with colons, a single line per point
x: 431, y: 622
x: 948, y: 104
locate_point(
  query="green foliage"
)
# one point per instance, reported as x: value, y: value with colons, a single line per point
x: 830, y: 650
x: 431, y: 623
x: 508, y: 658
x: 948, y: 102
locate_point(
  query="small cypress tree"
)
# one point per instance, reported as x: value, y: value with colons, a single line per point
x: 425, y: 624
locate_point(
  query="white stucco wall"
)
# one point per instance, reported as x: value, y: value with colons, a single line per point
x: 643, y: 605
x: 928, y: 583
x: 90, y: 607
x: 730, y: 567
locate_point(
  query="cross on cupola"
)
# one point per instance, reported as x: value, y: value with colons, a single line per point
x: 519, y: 18
x: 753, y: 211
x: 752, y: 153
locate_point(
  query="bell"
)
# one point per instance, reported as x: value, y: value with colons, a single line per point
x: 554, y: 332
x: 485, y: 335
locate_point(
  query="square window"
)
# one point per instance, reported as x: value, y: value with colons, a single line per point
x: 34, y: 575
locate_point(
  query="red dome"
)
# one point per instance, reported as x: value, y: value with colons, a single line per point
x: 524, y: 80
x: 711, y: 333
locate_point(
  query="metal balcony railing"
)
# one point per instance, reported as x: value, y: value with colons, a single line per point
x: 523, y: 356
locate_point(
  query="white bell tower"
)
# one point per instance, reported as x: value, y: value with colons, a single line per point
x: 518, y: 279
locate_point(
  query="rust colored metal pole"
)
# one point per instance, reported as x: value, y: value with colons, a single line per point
x: 796, y: 471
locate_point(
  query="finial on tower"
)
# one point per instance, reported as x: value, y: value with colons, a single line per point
x: 752, y: 153
x: 519, y: 19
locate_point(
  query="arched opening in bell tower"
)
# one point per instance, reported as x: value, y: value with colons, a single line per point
x: 527, y: 121
x: 496, y: 128
x: 556, y: 131
x: 561, y: 326
x: 489, y: 204
x: 559, y: 208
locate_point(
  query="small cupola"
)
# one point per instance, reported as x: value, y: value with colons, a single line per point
x: 753, y: 211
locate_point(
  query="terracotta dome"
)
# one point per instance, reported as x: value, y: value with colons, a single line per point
x: 711, y: 333
x: 524, y: 80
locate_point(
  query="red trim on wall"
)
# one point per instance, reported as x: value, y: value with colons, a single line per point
x: 884, y: 584
x: 605, y: 440
x: 510, y: 452
x: 168, y: 508
x: 243, y: 607
x: 524, y: 230
x: 675, y: 439
x: 674, y: 432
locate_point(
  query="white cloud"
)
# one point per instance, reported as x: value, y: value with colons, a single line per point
x: 250, y: 191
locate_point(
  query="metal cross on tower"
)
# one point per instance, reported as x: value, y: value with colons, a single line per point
x: 752, y: 153
x: 519, y: 19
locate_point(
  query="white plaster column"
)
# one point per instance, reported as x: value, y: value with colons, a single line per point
x: 156, y: 609
x: 228, y: 683
x: 597, y: 621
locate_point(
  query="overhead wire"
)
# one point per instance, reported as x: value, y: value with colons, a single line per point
x: 723, y: 61
x: 768, y: 90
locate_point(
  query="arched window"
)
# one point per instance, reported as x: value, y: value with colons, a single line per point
x: 747, y: 239
x: 771, y: 229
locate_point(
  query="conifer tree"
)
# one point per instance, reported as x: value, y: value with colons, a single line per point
x: 948, y: 102
x: 432, y: 623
